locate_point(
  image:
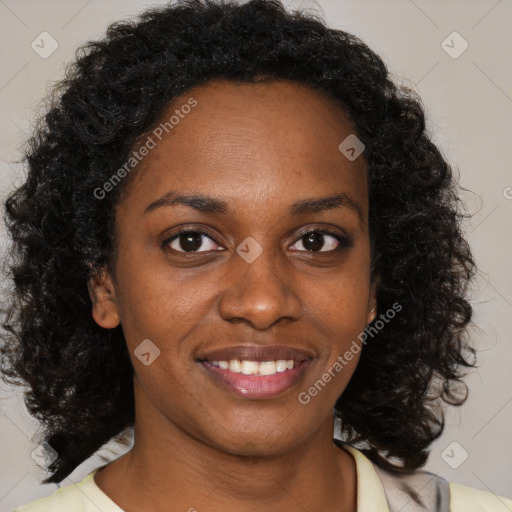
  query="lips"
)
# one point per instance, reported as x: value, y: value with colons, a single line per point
x: 290, y: 363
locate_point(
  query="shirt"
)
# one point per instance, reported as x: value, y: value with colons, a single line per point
x: 86, y: 496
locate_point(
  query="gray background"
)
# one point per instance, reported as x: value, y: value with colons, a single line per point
x: 468, y: 100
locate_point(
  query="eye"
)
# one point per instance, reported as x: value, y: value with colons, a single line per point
x: 315, y: 240
x: 190, y: 240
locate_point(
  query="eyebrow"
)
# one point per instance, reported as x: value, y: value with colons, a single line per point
x: 212, y: 206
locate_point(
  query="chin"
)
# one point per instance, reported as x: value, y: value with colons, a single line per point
x: 262, y: 442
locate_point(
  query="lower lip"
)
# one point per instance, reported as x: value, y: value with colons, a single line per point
x: 252, y: 386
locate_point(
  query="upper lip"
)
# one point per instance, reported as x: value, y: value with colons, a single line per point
x: 256, y: 353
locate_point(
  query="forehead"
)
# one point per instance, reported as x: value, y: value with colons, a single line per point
x: 251, y: 143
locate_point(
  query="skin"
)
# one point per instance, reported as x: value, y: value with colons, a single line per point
x: 259, y: 147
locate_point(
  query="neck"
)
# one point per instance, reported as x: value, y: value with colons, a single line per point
x: 167, y: 465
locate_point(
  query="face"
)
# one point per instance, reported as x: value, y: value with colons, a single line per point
x: 260, y: 276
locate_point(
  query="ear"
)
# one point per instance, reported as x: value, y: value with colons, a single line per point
x: 103, y: 298
x: 372, y: 304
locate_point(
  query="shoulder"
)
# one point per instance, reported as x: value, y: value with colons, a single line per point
x: 64, y: 499
x: 469, y: 499
x: 85, y: 496
x: 419, y: 490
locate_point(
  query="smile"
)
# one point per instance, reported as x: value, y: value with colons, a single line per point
x: 256, y: 371
x: 248, y: 379
x: 256, y: 368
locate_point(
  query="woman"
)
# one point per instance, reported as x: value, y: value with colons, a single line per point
x: 234, y: 231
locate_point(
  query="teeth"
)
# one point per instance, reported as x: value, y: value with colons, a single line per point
x: 267, y: 368
x: 234, y: 365
x: 255, y: 367
x: 281, y: 365
x: 250, y: 367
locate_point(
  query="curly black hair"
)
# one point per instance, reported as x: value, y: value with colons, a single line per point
x: 79, y: 376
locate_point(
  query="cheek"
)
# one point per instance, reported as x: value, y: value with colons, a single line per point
x: 341, y: 302
x: 340, y: 309
x: 158, y: 303
x: 341, y: 316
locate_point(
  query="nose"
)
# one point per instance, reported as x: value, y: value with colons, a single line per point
x: 259, y: 292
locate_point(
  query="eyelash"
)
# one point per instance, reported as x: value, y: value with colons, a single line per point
x: 344, y: 242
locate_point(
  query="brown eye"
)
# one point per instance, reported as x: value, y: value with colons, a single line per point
x: 188, y: 240
x: 319, y: 239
